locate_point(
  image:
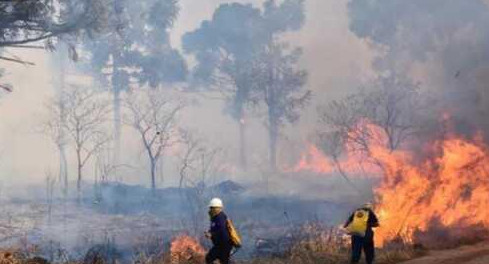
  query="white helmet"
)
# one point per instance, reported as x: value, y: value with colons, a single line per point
x: 216, y: 202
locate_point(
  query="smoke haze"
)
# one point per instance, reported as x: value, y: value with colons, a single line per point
x: 336, y: 60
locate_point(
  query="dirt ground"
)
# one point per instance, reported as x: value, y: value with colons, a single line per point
x: 477, y: 254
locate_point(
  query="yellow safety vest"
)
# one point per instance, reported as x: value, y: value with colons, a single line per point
x: 358, y: 226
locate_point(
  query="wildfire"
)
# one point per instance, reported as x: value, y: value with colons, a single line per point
x: 313, y: 160
x: 446, y: 187
x: 451, y: 189
x: 184, y: 249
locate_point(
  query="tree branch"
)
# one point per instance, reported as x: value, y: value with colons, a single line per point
x: 17, y: 61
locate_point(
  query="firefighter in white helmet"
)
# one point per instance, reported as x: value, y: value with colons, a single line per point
x: 219, y: 234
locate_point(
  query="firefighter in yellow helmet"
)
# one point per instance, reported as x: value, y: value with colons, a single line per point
x: 360, y: 226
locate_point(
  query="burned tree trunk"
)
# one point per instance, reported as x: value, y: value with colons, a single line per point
x: 117, y: 83
x: 242, y: 144
x: 153, y: 115
x: 153, y: 174
x: 79, y: 173
x: 273, y: 131
x: 63, y: 169
x: 272, y: 146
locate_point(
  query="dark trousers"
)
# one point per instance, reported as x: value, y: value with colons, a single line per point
x: 222, y: 254
x: 366, y: 244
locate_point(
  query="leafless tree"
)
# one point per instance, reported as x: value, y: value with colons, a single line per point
x: 54, y: 127
x: 50, y: 184
x: 197, y: 159
x: 392, y: 104
x: 85, y: 113
x: 198, y: 162
x: 153, y: 114
x: 190, y: 145
x: 396, y: 106
x: 106, y: 170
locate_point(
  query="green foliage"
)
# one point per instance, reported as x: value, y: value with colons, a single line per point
x: 137, y: 46
x: 23, y: 22
x: 229, y: 50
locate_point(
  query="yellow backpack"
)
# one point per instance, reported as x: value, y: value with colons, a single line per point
x: 358, y: 225
x: 233, y: 234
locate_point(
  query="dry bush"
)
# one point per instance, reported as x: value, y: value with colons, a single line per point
x: 185, y: 250
x: 149, y: 250
x: 440, y: 237
x: 320, y: 245
x: 8, y: 257
x: 12, y: 257
x: 182, y: 250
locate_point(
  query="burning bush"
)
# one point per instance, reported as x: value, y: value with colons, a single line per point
x: 186, y: 250
x: 9, y: 258
x: 424, y: 194
x: 450, y: 187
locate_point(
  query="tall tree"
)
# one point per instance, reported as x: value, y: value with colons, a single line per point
x: 228, y: 50
x: 56, y: 127
x: 136, y: 49
x: 280, y: 85
x: 224, y: 48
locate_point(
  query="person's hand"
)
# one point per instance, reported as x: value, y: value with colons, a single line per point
x: 207, y: 234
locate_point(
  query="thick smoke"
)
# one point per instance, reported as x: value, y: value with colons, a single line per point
x: 444, y: 44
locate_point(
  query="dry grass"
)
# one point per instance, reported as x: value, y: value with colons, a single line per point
x: 319, y: 245
x: 313, y: 244
x: 308, y: 256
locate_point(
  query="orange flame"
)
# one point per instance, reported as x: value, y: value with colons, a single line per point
x: 450, y: 186
x: 184, y: 249
x: 313, y: 160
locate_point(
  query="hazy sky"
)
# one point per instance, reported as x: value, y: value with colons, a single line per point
x: 335, y: 59
x: 333, y: 55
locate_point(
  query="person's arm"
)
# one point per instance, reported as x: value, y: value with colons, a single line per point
x: 350, y: 219
x: 373, y: 220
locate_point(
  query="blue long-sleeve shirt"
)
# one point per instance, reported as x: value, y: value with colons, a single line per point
x: 219, y: 231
